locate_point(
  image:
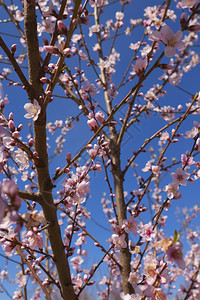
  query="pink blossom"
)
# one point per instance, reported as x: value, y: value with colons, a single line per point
x: 119, y: 15
x: 155, y: 169
x: 93, y: 29
x: 92, y: 123
x: 139, y: 67
x: 47, y: 11
x: 172, y: 191
x: 130, y: 225
x: 147, y: 167
x: 170, y: 39
x: 174, y: 254
x: 8, y: 246
x: 97, y: 167
x: 147, y: 232
x: 155, y: 293
x: 187, y: 3
x: 197, y: 146
x: 19, y: 16
x: 187, y: 161
x: 134, y: 279
x: 9, y: 188
x: 76, y: 262
x: 22, y: 158
x: 76, y: 38
x: 164, y: 136
x: 33, y: 110
x: 3, y: 131
x: 119, y: 241
x: 100, y: 116
x: 191, y: 134
x: 77, y: 281
x: 46, y: 26
x: 82, y: 188
x: 150, y: 270
x: 35, y: 239
x: 180, y: 177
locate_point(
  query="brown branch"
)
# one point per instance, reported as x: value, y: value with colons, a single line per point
x: 15, y: 65
x: 54, y: 36
x: 60, y: 62
x: 18, y: 249
x: 85, y: 147
x: 29, y: 196
x: 15, y: 22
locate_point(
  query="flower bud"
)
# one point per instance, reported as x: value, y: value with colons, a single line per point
x: 11, y: 117
x: 194, y: 28
x: 62, y: 29
x: 15, y: 134
x: 52, y: 49
x: 100, y: 116
x: 44, y: 80
x: 31, y: 142
x: 67, y: 52
x: 68, y: 157
x: 165, y: 67
x: 92, y: 123
x: 11, y: 125
x: 13, y: 48
x: 183, y: 20
x: 19, y: 127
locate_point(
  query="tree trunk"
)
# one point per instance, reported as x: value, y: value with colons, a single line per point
x: 125, y: 255
x: 43, y: 177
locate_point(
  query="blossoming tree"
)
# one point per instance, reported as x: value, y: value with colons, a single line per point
x: 71, y: 50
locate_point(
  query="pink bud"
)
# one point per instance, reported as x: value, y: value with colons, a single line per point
x: 91, y: 282
x: 179, y: 107
x: 68, y: 157
x: 183, y: 20
x: 19, y: 127
x: 62, y: 29
x: 76, y: 82
x: 13, y: 48
x: 89, y: 146
x: 75, y: 22
x: 57, y: 170
x: 52, y: 49
x: 11, y: 125
x: 100, y: 116
x: 92, y: 123
x: 194, y: 28
x: 165, y: 67
x: 11, y: 117
x: 31, y: 142
x: 48, y: 93
x: 15, y: 134
x: 67, y: 52
x: 44, y: 80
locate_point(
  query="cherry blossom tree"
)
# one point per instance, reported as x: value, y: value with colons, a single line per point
x: 110, y: 68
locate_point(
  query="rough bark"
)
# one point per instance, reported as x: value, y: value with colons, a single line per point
x: 125, y: 255
x: 43, y: 177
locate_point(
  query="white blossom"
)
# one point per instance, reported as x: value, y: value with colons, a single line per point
x: 33, y: 110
